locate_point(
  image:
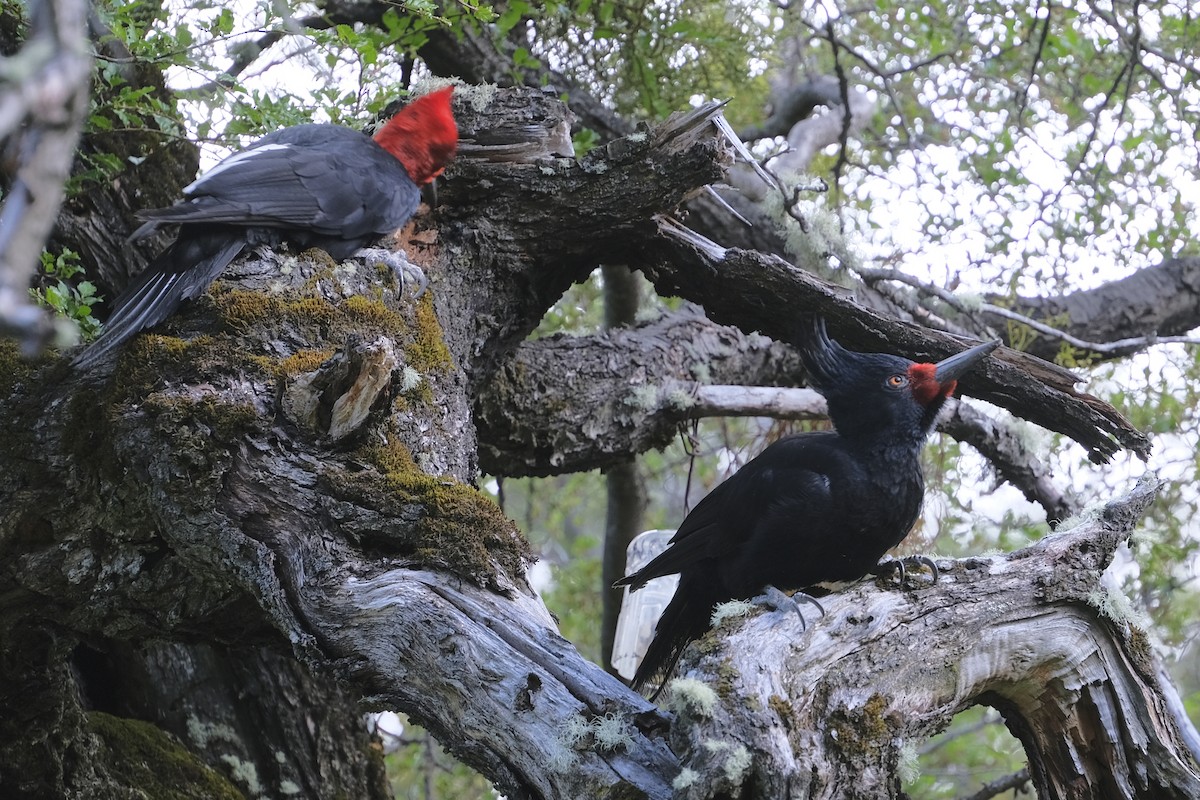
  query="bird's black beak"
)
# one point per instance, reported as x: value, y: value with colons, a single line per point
x: 954, y: 367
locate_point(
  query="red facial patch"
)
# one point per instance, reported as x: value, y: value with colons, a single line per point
x: 422, y: 136
x: 925, y: 387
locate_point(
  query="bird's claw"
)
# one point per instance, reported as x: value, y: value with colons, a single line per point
x: 404, y: 270
x: 777, y: 600
x: 899, y: 565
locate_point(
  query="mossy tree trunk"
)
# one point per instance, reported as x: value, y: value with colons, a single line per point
x: 275, y: 491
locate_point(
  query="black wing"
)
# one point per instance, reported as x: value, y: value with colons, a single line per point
x: 325, y: 179
x: 792, y: 474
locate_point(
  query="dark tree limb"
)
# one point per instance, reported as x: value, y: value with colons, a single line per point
x: 569, y: 404
x: 1163, y: 300
x: 1153, y: 305
x: 793, y: 104
x: 741, y: 288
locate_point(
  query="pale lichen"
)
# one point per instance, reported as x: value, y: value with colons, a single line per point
x: 409, y: 379
x: 608, y: 732
x: 690, y: 697
x: 611, y: 732
x: 908, y: 765
x: 1088, y: 514
x: 201, y: 733
x: 643, y: 398
x: 737, y: 760
x: 686, y: 778
x: 1115, y: 606
x: 681, y: 399
x: 734, y: 609
x: 244, y: 772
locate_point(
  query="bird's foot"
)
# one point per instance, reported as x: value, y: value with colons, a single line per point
x: 404, y: 270
x: 901, y: 565
x: 779, y: 601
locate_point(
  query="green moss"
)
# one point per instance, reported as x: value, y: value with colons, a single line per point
x: 1142, y: 650
x: 709, y: 644
x: 372, y: 313
x: 303, y: 361
x: 726, y: 677
x: 315, y: 255
x: 458, y: 529
x: 227, y: 421
x: 147, y: 359
x: 428, y: 352
x: 307, y: 311
x: 240, y: 308
x: 782, y: 708
x: 383, y: 273
x: 13, y: 367
x: 150, y: 761
x: 150, y: 360
x: 861, y: 731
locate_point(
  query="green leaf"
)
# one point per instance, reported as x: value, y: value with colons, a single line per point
x: 224, y: 24
x: 55, y: 297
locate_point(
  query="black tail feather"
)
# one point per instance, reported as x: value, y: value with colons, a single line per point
x: 181, y: 272
x: 685, y: 619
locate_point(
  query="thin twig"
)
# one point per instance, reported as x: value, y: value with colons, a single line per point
x: 989, y: 790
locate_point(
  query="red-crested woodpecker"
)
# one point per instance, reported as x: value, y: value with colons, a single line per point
x: 813, y: 508
x: 320, y: 186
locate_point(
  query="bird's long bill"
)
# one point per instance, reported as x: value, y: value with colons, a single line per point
x: 957, y: 365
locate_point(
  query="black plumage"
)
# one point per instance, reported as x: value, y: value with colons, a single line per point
x: 310, y: 185
x: 811, y: 508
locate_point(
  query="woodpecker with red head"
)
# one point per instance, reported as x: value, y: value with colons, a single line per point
x: 310, y: 185
x: 812, y: 508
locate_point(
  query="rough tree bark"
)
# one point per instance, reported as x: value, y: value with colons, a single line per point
x: 287, y: 467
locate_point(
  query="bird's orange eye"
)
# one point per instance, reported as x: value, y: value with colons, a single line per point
x: 897, y: 381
